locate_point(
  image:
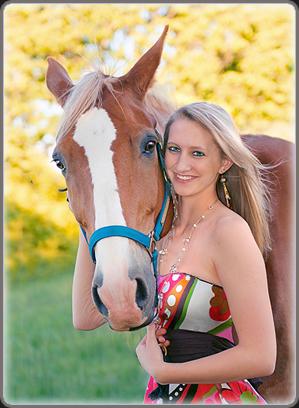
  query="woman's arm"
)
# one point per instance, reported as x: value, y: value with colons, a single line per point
x: 85, y: 314
x: 241, y: 269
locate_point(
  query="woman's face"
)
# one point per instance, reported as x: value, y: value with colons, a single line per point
x: 193, y: 160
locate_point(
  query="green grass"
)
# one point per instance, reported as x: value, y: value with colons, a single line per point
x: 48, y: 361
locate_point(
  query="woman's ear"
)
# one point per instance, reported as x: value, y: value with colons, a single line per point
x: 226, y: 164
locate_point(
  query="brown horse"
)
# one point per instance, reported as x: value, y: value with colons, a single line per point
x: 106, y: 151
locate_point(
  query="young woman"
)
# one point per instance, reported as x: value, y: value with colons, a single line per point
x: 215, y: 324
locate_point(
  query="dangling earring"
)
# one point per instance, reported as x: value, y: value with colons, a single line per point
x: 175, y: 202
x: 225, y: 190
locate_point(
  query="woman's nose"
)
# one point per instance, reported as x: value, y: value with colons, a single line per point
x: 183, y: 163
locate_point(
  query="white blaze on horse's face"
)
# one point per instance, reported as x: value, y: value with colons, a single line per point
x: 95, y: 132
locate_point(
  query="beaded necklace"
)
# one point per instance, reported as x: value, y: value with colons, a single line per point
x: 186, y: 241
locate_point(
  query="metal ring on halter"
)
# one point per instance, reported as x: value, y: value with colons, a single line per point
x: 153, y: 242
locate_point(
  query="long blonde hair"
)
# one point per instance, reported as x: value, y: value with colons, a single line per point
x: 245, y: 178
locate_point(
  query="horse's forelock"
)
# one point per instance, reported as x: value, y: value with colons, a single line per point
x: 84, y: 96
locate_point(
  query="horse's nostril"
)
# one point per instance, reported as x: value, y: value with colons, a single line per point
x: 141, y: 294
x: 97, y: 300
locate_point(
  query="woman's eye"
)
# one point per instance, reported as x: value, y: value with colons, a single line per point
x: 198, y: 153
x: 150, y: 146
x: 173, y: 149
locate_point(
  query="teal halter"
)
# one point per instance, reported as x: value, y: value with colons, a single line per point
x: 147, y: 241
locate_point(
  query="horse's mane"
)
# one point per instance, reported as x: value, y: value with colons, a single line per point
x: 159, y: 106
x: 87, y: 92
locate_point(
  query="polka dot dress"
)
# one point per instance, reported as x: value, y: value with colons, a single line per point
x: 187, y: 302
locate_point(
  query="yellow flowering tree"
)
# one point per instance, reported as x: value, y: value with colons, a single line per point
x: 238, y: 55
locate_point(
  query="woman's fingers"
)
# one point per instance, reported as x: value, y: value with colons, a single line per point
x: 160, y: 331
x: 162, y: 339
x: 160, y: 336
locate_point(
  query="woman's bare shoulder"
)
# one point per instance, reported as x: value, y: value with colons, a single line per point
x: 230, y: 228
x: 235, y: 252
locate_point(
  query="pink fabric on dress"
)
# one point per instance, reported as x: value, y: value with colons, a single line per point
x: 187, y: 302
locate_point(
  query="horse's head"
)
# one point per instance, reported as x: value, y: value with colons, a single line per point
x: 106, y: 151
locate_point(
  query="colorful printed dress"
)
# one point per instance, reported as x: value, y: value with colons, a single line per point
x: 197, y: 318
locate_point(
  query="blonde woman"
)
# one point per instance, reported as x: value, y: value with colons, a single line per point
x: 214, y: 335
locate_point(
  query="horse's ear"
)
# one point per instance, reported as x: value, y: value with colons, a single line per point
x: 141, y: 75
x: 58, y: 80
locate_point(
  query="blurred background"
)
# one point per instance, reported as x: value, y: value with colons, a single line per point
x: 240, y: 56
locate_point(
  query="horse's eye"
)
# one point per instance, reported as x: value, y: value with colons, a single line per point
x: 60, y: 165
x: 150, y: 146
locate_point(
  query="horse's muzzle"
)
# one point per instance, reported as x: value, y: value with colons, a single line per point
x: 129, y: 306
x: 140, y: 301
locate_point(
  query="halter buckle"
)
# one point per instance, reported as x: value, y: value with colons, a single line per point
x: 152, y: 243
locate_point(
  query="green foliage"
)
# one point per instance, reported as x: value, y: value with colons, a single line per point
x: 37, y: 247
x: 238, y: 55
x: 47, y: 361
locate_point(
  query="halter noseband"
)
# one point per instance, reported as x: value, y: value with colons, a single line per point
x: 147, y: 241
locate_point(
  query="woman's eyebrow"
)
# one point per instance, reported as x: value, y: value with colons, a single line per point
x: 189, y: 147
x: 197, y: 148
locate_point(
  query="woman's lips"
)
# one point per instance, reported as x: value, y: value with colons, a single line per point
x: 181, y: 178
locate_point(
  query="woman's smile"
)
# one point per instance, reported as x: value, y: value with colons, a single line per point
x: 184, y: 178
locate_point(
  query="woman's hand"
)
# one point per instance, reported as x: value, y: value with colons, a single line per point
x: 160, y: 337
x: 149, y: 353
x: 163, y: 343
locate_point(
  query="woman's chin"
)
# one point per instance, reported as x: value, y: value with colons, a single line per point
x: 184, y: 191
